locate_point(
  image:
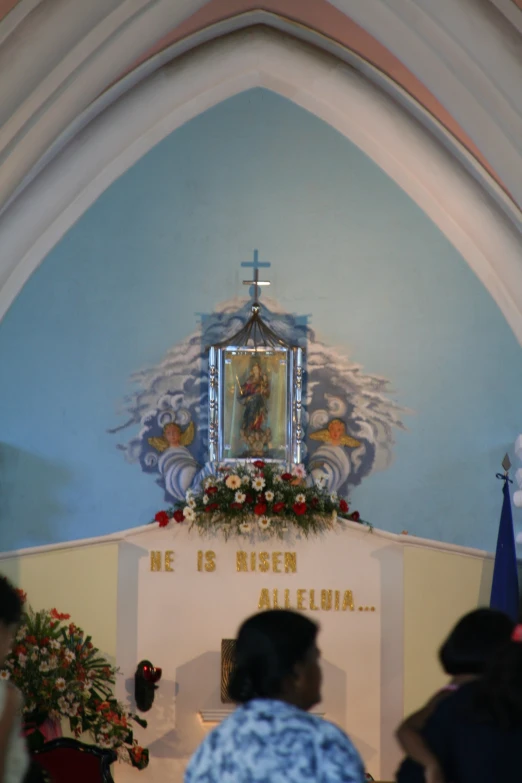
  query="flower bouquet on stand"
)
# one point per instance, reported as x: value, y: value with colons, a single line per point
x: 63, y: 676
x: 244, y: 497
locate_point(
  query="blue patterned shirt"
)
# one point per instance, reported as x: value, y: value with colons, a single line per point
x: 268, y: 741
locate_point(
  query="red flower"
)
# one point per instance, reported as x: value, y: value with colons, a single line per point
x: 56, y: 615
x: 211, y: 507
x: 287, y: 477
x: 162, y: 518
x: 211, y: 490
x: 355, y: 516
x: 299, y: 508
x: 21, y: 595
x: 249, y: 499
x: 259, y: 464
x: 178, y: 515
x: 236, y: 506
x: 277, y: 507
x: 315, y: 501
x: 260, y: 509
x: 31, y: 640
x: 343, y: 505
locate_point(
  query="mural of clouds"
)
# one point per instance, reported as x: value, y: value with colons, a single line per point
x: 175, y: 391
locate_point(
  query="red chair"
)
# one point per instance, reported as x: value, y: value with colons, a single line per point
x: 67, y: 759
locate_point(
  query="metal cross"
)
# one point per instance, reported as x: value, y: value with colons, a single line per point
x: 256, y: 282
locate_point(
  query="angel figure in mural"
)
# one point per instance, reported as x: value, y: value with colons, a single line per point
x: 329, y: 464
x: 253, y: 394
x: 173, y: 437
x: 181, y: 472
x: 335, y: 435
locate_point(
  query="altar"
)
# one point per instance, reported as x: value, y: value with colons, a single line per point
x: 180, y: 594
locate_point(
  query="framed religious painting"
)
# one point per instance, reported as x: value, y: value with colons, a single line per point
x: 255, y: 403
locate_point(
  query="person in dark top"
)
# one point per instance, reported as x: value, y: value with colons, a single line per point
x: 466, y: 653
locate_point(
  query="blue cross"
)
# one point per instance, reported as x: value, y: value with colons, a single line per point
x: 256, y: 265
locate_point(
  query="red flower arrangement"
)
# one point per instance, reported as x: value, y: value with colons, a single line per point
x: 62, y: 675
x: 250, y: 495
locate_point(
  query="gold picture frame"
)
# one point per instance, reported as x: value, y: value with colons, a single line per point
x: 228, y: 648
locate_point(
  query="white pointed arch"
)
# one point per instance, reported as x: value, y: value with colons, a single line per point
x: 333, y: 91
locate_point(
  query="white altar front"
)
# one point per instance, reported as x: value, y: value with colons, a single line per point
x: 180, y: 594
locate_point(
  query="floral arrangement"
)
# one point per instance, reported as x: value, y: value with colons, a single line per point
x: 62, y: 675
x: 260, y: 495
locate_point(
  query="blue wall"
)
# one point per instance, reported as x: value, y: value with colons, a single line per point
x: 164, y: 243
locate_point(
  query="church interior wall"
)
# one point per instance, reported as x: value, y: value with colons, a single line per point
x: 350, y: 253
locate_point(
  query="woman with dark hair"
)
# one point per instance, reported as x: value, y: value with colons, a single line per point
x: 270, y: 736
x: 465, y: 655
x: 14, y: 759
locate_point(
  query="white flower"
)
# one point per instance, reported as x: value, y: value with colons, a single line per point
x: 4, y: 675
x: 44, y: 666
x: 189, y: 494
x: 189, y: 514
x: 245, y: 527
x: 300, y: 498
x: 209, y: 482
x: 123, y: 754
x: 69, y: 656
x: 299, y: 471
x: 258, y: 483
x: 60, y: 684
x: 205, y: 499
x: 22, y: 659
x: 34, y: 655
x: 320, y: 482
x: 333, y: 497
x: 240, y: 497
x: 269, y: 495
x: 245, y: 480
x: 53, y: 662
x: 63, y: 705
x: 233, y: 481
x: 191, y: 503
x: 44, y: 651
x: 277, y: 479
x: 264, y: 523
x: 54, y: 644
x: 251, y: 468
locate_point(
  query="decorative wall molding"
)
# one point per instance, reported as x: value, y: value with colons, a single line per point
x: 127, y: 129
x: 475, y: 70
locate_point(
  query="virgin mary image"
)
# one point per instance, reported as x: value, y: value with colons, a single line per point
x: 253, y: 394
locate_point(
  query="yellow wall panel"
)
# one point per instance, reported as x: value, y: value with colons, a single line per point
x: 439, y: 587
x: 81, y: 581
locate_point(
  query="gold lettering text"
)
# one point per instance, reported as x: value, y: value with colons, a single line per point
x: 290, y: 563
x: 169, y: 559
x: 264, y: 562
x: 241, y: 561
x: 155, y: 561
x: 312, y: 600
x: 264, y: 599
x: 348, y: 601
x: 301, y: 597
x: 210, y: 561
x: 276, y: 562
x: 326, y: 600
